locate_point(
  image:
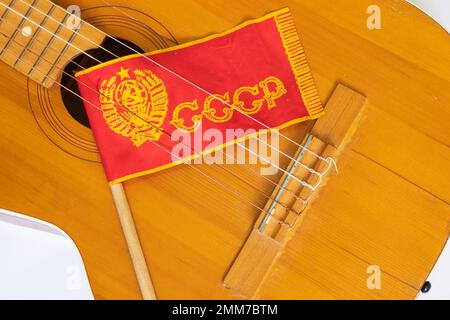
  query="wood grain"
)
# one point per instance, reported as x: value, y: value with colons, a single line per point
x: 252, y: 264
x: 388, y: 206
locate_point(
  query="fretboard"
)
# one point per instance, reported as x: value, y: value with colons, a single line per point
x: 38, y: 38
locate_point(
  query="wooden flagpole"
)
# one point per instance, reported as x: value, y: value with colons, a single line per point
x: 132, y: 239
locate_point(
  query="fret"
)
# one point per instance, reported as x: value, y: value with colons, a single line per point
x: 7, y: 9
x: 22, y: 21
x: 47, y: 46
x: 63, y: 51
x: 41, y: 25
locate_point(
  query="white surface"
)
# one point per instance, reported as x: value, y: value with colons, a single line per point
x: 439, y: 10
x: 439, y: 278
x: 39, y: 261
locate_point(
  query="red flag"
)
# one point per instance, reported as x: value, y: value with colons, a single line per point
x: 254, y: 76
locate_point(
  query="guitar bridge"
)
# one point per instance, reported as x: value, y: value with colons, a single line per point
x: 286, y: 209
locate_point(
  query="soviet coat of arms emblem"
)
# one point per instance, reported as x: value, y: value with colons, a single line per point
x: 134, y: 104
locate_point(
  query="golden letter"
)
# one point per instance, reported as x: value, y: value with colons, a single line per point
x: 178, y: 122
x: 256, y: 104
x: 277, y: 91
x: 211, y: 113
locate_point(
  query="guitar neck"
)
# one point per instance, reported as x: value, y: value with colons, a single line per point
x: 38, y: 38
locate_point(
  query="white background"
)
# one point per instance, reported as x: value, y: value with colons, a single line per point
x: 438, y: 9
x: 39, y: 261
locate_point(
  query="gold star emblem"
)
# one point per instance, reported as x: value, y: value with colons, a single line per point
x: 123, y: 73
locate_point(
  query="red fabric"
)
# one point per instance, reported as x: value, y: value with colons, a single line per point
x: 243, y: 58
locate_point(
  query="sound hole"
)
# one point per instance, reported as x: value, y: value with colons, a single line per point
x: 72, y: 102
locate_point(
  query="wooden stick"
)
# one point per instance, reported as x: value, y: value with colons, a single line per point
x: 134, y: 246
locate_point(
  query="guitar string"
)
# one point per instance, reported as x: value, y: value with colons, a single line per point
x: 175, y: 74
x: 272, y: 181
x: 303, y: 147
x: 268, y: 197
x: 303, y: 184
x: 215, y: 180
x: 311, y: 170
x: 224, y: 185
x: 94, y: 58
x: 235, y: 175
x: 329, y: 160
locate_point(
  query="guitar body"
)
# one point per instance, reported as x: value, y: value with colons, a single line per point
x: 387, y: 207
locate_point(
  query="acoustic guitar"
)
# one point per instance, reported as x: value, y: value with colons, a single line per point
x: 373, y: 230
